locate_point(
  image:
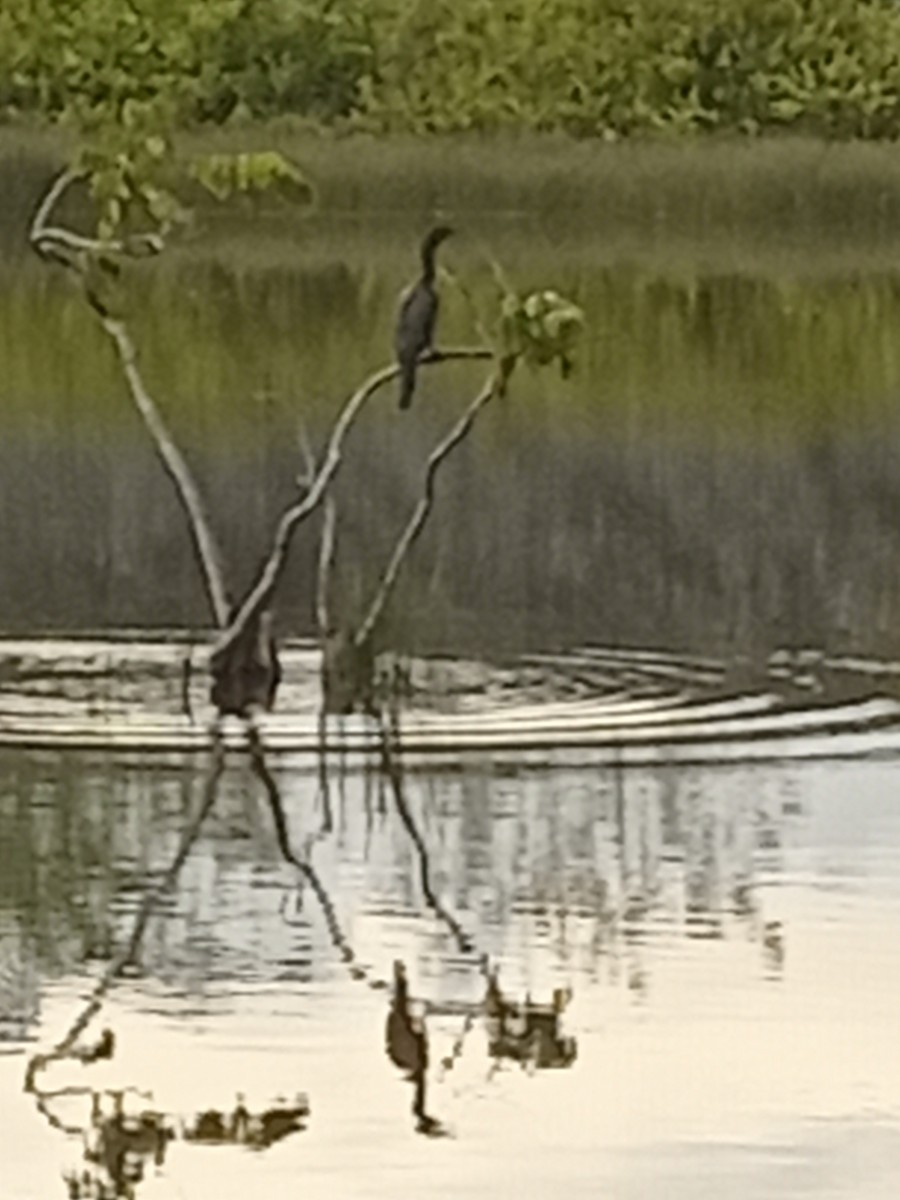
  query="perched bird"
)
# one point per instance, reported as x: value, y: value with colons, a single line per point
x: 417, y: 316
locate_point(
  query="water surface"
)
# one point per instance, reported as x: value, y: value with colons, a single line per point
x: 712, y: 1057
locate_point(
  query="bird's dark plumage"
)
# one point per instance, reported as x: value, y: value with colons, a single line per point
x: 418, y: 316
x: 406, y: 1044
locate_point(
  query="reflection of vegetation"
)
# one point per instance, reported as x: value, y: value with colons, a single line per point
x: 118, y: 1147
x: 120, y: 1143
x: 679, y: 841
x: 240, y: 1127
x: 528, y: 1033
x: 679, y: 847
x: 390, y: 757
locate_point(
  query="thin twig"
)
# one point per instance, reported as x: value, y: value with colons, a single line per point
x: 306, y: 453
x: 417, y: 521
x: 45, y: 237
x: 323, y: 574
x: 186, y: 671
x: 208, y: 553
x: 323, y: 577
x: 325, y: 566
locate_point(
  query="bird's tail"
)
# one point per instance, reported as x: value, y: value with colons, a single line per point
x: 407, y: 384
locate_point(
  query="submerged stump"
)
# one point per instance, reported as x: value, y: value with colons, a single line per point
x: 247, y: 674
x: 348, y: 674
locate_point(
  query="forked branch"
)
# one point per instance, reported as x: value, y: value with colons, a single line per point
x: 260, y: 595
x: 75, y: 251
x: 50, y: 239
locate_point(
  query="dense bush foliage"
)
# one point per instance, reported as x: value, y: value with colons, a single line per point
x: 591, y: 67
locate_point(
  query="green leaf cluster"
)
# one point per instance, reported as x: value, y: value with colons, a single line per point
x: 618, y: 67
x: 248, y: 174
x: 539, y: 329
x: 199, y: 60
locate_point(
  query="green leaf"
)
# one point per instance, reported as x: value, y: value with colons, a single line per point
x: 156, y: 146
x: 222, y: 175
x: 541, y: 328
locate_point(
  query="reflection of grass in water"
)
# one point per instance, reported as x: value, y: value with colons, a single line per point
x: 232, y: 352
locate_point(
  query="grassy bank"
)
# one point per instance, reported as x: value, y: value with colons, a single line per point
x: 740, y: 202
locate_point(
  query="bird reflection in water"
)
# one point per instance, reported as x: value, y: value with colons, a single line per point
x: 406, y: 1043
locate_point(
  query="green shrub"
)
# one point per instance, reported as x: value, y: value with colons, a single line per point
x: 615, y: 68
x: 589, y: 67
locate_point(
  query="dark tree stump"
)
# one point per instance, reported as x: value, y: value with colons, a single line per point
x: 348, y: 675
x: 248, y: 673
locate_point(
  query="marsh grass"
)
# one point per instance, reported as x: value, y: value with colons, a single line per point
x: 721, y: 473
x: 770, y: 191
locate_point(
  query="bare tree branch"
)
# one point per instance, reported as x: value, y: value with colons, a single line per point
x: 323, y: 578
x: 47, y: 239
x: 207, y: 549
x: 260, y: 595
x: 67, y: 246
x: 417, y: 521
x: 326, y: 562
x: 326, y: 541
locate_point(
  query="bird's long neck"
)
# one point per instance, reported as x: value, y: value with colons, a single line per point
x: 401, y: 995
x: 429, y: 251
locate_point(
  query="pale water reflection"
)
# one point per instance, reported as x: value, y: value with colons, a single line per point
x: 728, y: 935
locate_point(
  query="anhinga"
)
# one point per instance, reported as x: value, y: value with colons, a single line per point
x: 417, y: 316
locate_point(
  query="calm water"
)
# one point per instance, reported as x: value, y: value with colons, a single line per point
x: 718, y: 1053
